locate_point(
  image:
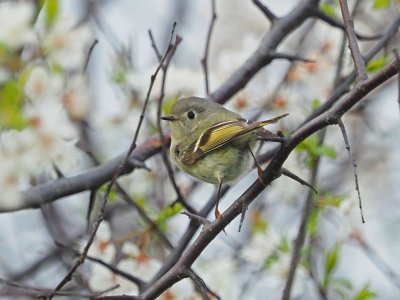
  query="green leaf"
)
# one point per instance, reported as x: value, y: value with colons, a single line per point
x: 313, y: 223
x: 167, y: 213
x: 329, y: 9
x: 343, y: 282
x: 11, y: 99
x: 52, y: 8
x: 331, y: 259
x: 331, y: 200
x: 380, y: 4
x: 315, y: 104
x: 284, y: 245
x: 272, y: 259
x: 365, y: 293
x: 376, y: 65
x: 119, y: 76
x: 327, y: 151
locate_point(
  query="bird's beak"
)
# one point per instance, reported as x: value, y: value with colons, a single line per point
x: 170, y: 118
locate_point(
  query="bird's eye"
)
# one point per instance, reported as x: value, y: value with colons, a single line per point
x: 191, y: 115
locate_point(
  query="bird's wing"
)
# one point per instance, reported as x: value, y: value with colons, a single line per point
x: 220, y: 135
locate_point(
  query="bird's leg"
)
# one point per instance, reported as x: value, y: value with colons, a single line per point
x: 259, y: 169
x: 217, y: 213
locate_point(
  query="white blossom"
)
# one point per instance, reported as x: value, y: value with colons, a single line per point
x: 260, y: 247
x: 43, y: 85
x: 66, y: 43
x: 101, y: 247
x: 16, y: 23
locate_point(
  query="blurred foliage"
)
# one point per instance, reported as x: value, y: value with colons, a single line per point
x: 168, y: 212
x: 380, y: 4
x: 365, y: 293
x: 376, y: 64
x: 11, y: 100
x: 321, y: 202
x: 167, y: 104
x: 314, y: 150
x: 329, y: 9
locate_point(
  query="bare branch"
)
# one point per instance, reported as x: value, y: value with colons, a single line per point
x: 95, y: 42
x: 200, y: 285
x: 359, y: 63
x: 172, y: 48
x: 289, y: 57
x: 335, y: 23
x: 299, y: 242
x: 396, y: 54
x: 196, y: 218
x: 153, y: 44
x: 205, y: 57
x: 347, y: 144
x: 260, y: 58
x: 266, y: 11
x: 377, y: 260
x: 289, y: 174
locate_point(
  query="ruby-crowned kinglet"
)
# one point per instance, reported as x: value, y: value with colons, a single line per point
x: 211, y: 142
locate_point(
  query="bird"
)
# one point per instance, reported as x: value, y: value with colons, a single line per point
x: 212, y: 143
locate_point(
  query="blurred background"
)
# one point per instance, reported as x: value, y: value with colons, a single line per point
x: 68, y: 89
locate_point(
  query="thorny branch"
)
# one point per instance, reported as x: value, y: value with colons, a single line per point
x: 210, y: 231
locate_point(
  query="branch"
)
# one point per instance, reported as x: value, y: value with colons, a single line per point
x: 298, y: 179
x: 260, y: 58
x: 95, y: 42
x: 204, y: 59
x: 266, y: 11
x: 93, y: 178
x: 347, y: 144
x: 81, y: 260
x: 361, y: 73
x: 396, y: 54
x: 289, y: 57
x: 164, y: 155
x: 210, y: 231
x: 335, y: 23
x: 299, y: 242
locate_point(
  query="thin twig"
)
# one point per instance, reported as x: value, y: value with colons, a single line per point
x: 289, y: 57
x: 358, y: 59
x: 266, y: 11
x: 39, y: 293
x: 153, y: 44
x: 196, y: 218
x: 347, y: 144
x: 293, y: 176
x: 377, y: 260
x: 164, y: 155
x: 186, y: 237
x: 99, y: 219
x: 199, y: 283
x: 95, y: 42
x: 117, y: 271
x: 204, y: 62
x: 335, y: 23
x: 396, y: 54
